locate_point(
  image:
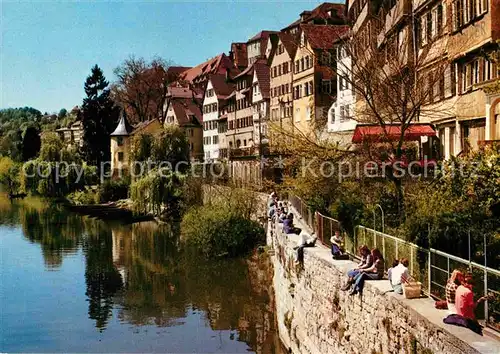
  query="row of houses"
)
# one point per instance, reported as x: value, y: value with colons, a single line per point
x: 297, y: 79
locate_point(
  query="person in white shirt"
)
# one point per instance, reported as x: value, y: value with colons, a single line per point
x: 305, y: 240
x: 399, y: 275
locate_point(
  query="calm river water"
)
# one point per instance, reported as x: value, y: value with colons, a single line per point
x: 73, y: 284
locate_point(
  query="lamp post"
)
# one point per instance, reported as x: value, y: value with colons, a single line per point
x: 382, y: 212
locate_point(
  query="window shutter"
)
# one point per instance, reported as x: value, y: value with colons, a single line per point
x: 454, y: 15
x: 423, y: 30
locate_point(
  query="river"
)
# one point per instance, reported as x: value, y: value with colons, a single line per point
x: 74, y: 284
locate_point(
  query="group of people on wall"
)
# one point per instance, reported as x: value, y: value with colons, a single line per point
x: 459, y: 294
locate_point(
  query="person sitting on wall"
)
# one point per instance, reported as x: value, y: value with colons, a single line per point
x: 389, y: 271
x: 282, y: 217
x: 464, y: 299
x: 366, y: 262
x: 288, y: 226
x: 272, y: 210
x: 466, y: 306
x: 456, y: 279
x: 273, y: 198
x: 337, y: 247
x: 305, y: 240
x: 399, y: 275
x: 375, y: 272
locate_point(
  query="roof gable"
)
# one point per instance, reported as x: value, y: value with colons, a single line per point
x: 322, y: 36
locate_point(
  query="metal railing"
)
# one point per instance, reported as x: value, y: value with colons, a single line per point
x: 429, y: 266
x: 305, y: 213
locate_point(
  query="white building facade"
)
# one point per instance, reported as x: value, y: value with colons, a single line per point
x: 341, y: 122
x: 210, y: 124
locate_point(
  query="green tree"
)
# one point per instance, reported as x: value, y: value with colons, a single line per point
x: 62, y: 113
x: 31, y: 143
x: 9, y: 172
x: 100, y: 116
x: 51, y: 148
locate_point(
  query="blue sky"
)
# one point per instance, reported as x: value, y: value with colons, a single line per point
x: 47, y: 48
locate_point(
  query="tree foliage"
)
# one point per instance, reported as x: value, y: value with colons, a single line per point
x: 170, y: 146
x: 31, y: 143
x: 141, y: 87
x: 100, y: 116
x: 158, y: 193
x: 9, y: 174
x: 224, y: 225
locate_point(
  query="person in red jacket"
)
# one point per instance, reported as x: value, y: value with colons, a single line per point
x: 464, y: 299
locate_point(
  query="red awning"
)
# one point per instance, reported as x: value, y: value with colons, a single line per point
x: 373, y: 132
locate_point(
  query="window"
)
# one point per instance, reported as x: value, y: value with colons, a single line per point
x: 296, y: 93
x: 215, y: 139
x: 311, y: 90
x: 326, y: 86
x: 302, y: 39
x: 475, y: 72
x: 466, y: 11
x: 423, y: 30
x: 487, y: 70
x: 286, y: 88
x: 119, y: 141
x: 302, y: 64
x: 308, y: 59
x: 285, y: 68
x: 301, y: 90
x: 325, y: 58
x: 296, y: 69
x: 279, y: 70
x: 120, y: 156
x: 481, y: 7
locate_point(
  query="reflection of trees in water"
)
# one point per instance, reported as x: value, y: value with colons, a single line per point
x: 60, y: 233
x: 101, y: 276
x: 163, y: 282
x: 57, y: 232
x: 160, y: 282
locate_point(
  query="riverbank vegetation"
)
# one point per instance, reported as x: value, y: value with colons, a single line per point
x: 226, y: 225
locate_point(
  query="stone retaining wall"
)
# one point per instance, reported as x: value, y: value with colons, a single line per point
x: 315, y: 316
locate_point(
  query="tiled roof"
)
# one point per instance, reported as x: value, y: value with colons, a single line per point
x: 184, y: 91
x: 321, y: 12
x: 261, y: 69
x: 140, y: 126
x: 211, y: 66
x: 221, y: 86
x: 247, y: 71
x: 323, y: 36
x: 289, y: 43
x: 177, y: 70
x: 184, y: 109
x: 262, y: 35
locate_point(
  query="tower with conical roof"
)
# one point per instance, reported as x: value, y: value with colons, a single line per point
x: 120, y: 147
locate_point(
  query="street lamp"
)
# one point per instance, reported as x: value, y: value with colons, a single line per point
x: 382, y: 212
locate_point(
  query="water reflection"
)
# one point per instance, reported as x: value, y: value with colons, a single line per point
x: 138, y: 275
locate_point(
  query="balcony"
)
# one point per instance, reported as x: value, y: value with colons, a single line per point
x: 240, y: 152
